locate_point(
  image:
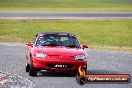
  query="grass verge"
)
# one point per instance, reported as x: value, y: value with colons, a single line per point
x: 65, y: 6
x: 96, y: 33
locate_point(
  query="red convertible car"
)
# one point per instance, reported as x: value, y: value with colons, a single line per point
x: 55, y: 51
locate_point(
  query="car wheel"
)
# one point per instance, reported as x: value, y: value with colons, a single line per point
x: 81, y: 80
x: 32, y: 70
x: 27, y: 67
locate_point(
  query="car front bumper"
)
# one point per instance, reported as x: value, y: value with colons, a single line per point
x: 58, y: 65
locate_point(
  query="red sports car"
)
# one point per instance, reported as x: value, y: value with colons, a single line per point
x: 55, y: 52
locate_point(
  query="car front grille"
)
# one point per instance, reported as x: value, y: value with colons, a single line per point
x: 60, y: 65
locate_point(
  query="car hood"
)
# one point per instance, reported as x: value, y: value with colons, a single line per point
x: 59, y: 50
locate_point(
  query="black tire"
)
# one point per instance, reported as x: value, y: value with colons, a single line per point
x: 27, y: 67
x: 81, y: 80
x: 32, y: 71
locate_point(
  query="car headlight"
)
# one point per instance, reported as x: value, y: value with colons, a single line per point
x: 40, y: 55
x: 81, y: 57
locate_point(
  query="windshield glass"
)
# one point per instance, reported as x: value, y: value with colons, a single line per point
x: 57, y: 40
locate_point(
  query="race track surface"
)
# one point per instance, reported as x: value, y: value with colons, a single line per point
x: 12, y: 60
x: 65, y: 15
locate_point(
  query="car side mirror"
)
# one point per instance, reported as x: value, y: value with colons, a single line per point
x: 29, y: 44
x: 85, y: 46
x: 36, y: 35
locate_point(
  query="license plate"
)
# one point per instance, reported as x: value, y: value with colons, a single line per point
x: 60, y: 66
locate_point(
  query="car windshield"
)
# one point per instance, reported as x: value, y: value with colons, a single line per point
x: 57, y: 40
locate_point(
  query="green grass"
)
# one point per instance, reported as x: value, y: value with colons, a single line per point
x: 65, y: 5
x: 93, y: 32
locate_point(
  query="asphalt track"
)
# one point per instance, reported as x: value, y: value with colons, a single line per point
x: 12, y: 60
x: 65, y: 15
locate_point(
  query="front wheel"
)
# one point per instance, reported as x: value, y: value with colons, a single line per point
x: 33, y: 72
x: 81, y: 80
x: 27, y: 68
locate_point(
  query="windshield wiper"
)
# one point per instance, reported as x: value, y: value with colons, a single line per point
x: 50, y: 45
x: 71, y: 46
